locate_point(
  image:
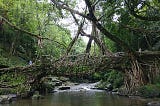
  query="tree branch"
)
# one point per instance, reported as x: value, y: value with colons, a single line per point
x: 100, y: 44
x: 63, y: 6
x: 92, y: 17
x: 140, y: 29
x: 105, y: 32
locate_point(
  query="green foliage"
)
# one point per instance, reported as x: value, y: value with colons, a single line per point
x: 114, y: 77
x: 4, y: 61
x: 41, y: 18
x: 57, y: 34
x: 102, y: 85
x: 150, y: 91
x: 12, y: 79
x: 156, y: 79
x: 36, y: 17
x: 142, y: 34
x: 79, y: 47
x: 15, y: 81
x: 110, y: 45
x: 96, y: 76
x: 10, y: 61
x: 111, y: 77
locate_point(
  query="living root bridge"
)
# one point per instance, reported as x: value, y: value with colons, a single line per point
x: 82, y: 60
x: 138, y: 71
x: 120, y: 61
x: 73, y: 65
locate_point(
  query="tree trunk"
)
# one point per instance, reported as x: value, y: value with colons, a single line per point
x: 88, y: 48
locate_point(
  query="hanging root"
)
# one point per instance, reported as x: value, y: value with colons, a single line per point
x: 134, y: 78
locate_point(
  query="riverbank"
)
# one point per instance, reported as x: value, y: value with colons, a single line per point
x: 88, y: 90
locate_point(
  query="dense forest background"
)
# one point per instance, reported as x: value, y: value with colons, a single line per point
x: 30, y: 29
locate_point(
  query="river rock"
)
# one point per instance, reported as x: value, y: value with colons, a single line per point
x: 55, y: 81
x: 154, y: 103
x: 109, y: 87
x: 5, y: 99
x: 64, y: 87
x: 51, y: 82
x: 115, y: 90
x: 63, y: 79
x: 37, y: 96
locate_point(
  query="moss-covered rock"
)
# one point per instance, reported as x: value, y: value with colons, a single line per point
x: 5, y: 99
x: 63, y: 79
x: 49, y: 83
x: 154, y: 103
x: 37, y: 96
x: 5, y: 91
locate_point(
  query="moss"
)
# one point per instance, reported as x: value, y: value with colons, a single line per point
x: 15, y: 83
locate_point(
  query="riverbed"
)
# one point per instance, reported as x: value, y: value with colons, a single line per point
x: 79, y: 98
x: 80, y: 95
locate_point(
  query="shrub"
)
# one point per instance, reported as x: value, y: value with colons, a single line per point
x: 111, y: 77
x: 150, y: 91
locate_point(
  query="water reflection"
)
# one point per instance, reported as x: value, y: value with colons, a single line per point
x: 81, y: 98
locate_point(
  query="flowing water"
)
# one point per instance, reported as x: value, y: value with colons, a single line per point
x: 79, y: 97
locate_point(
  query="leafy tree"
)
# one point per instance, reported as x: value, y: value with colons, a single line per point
x: 39, y: 18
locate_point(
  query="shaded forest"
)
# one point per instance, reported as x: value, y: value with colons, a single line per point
x: 124, y: 41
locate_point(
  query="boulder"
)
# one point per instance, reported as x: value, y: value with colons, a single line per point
x: 64, y: 88
x: 63, y: 79
x: 109, y: 87
x: 49, y: 83
x: 4, y: 99
x: 37, y: 96
x: 154, y: 103
x: 53, y: 81
x: 115, y: 90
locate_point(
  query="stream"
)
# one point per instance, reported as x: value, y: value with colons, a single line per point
x: 79, y: 95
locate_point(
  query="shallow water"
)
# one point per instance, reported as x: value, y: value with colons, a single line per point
x: 79, y: 98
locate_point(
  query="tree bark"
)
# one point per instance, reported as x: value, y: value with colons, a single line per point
x: 88, y: 48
